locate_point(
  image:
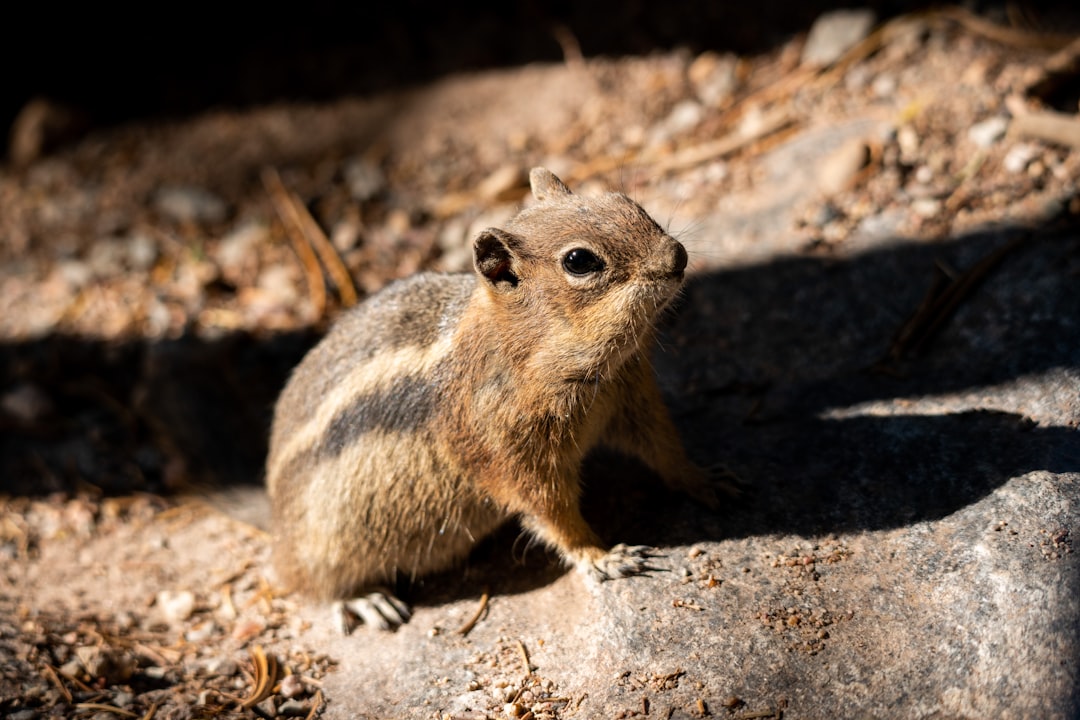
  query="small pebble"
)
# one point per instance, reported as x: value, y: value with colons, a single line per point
x: 278, y: 283
x: 502, y: 184
x: 268, y: 708
x: 683, y: 118
x: 74, y: 274
x: 884, y: 85
x: 72, y: 668
x: 834, y: 33
x: 201, y: 632
x: 293, y: 708
x: 364, y: 178
x: 190, y: 204
x: 26, y: 403
x: 247, y: 629
x: 345, y: 234
x: 238, y: 248
x: 713, y: 76
x: 291, y: 687
x: 223, y: 667
x: 176, y: 606
x: 107, y: 257
x: 989, y: 131
x: 142, y: 252
x: 926, y: 207
x: 838, y: 170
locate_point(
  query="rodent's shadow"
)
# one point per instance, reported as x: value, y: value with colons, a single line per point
x: 767, y: 368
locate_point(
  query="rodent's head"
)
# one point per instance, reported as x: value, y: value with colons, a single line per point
x: 591, y: 274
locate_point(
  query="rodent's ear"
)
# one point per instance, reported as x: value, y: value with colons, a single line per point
x: 545, y: 186
x: 494, y: 258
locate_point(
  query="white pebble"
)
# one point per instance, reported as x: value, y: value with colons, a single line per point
x: 1018, y: 157
x: 176, y: 606
x: 989, y: 131
x: 190, y: 204
x: 926, y: 207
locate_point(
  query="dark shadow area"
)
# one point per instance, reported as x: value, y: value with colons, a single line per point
x: 757, y: 358
x: 140, y: 416
x: 113, y: 64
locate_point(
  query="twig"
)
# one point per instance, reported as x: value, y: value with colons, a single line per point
x: 1058, y: 69
x: 105, y: 708
x: 266, y: 672
x: 525, y: 658
x: 1014, y: 37
x: 696, y: 155
x: 755, y: 715
x: 316, y: 706
x: 943, y: 298
x: 571, y: 48
x: 50, y: 673
x: 294, y: 230
x: 333, y: 263
x: 471, y: 622
x: 151, y: 711
x: 1052, y: 127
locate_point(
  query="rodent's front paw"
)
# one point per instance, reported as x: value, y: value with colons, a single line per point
x: 618, y: 562
x: 379, y: 609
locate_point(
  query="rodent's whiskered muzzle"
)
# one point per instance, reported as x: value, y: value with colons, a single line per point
x: 668, y: 261
x: 680, y: 258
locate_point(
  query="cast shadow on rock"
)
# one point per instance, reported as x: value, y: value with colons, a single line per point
x: 776, y: 372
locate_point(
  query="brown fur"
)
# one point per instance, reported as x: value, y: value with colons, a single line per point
x: 448, y: 403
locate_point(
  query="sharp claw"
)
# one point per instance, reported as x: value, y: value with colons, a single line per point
x: 379, y: 610
x: 621, y: 561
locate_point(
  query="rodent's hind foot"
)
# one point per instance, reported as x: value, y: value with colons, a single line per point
x: 378, y: 609
x: 727, y: 480
x: 618, y: 562
x: 714, y: 486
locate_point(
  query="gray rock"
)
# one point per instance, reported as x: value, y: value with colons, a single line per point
x: 905, y: 544
x: 834, y: 33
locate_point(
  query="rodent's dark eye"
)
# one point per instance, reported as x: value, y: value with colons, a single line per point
x: 580, y: 261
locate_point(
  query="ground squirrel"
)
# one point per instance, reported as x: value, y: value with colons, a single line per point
x: 448, y: 403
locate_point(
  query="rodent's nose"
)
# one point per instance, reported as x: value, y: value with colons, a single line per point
x: 679, y: 258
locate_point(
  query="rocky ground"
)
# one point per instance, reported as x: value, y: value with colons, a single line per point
x: 879, y: 337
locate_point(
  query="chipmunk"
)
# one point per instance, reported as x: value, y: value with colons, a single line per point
x: 447, y: 403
